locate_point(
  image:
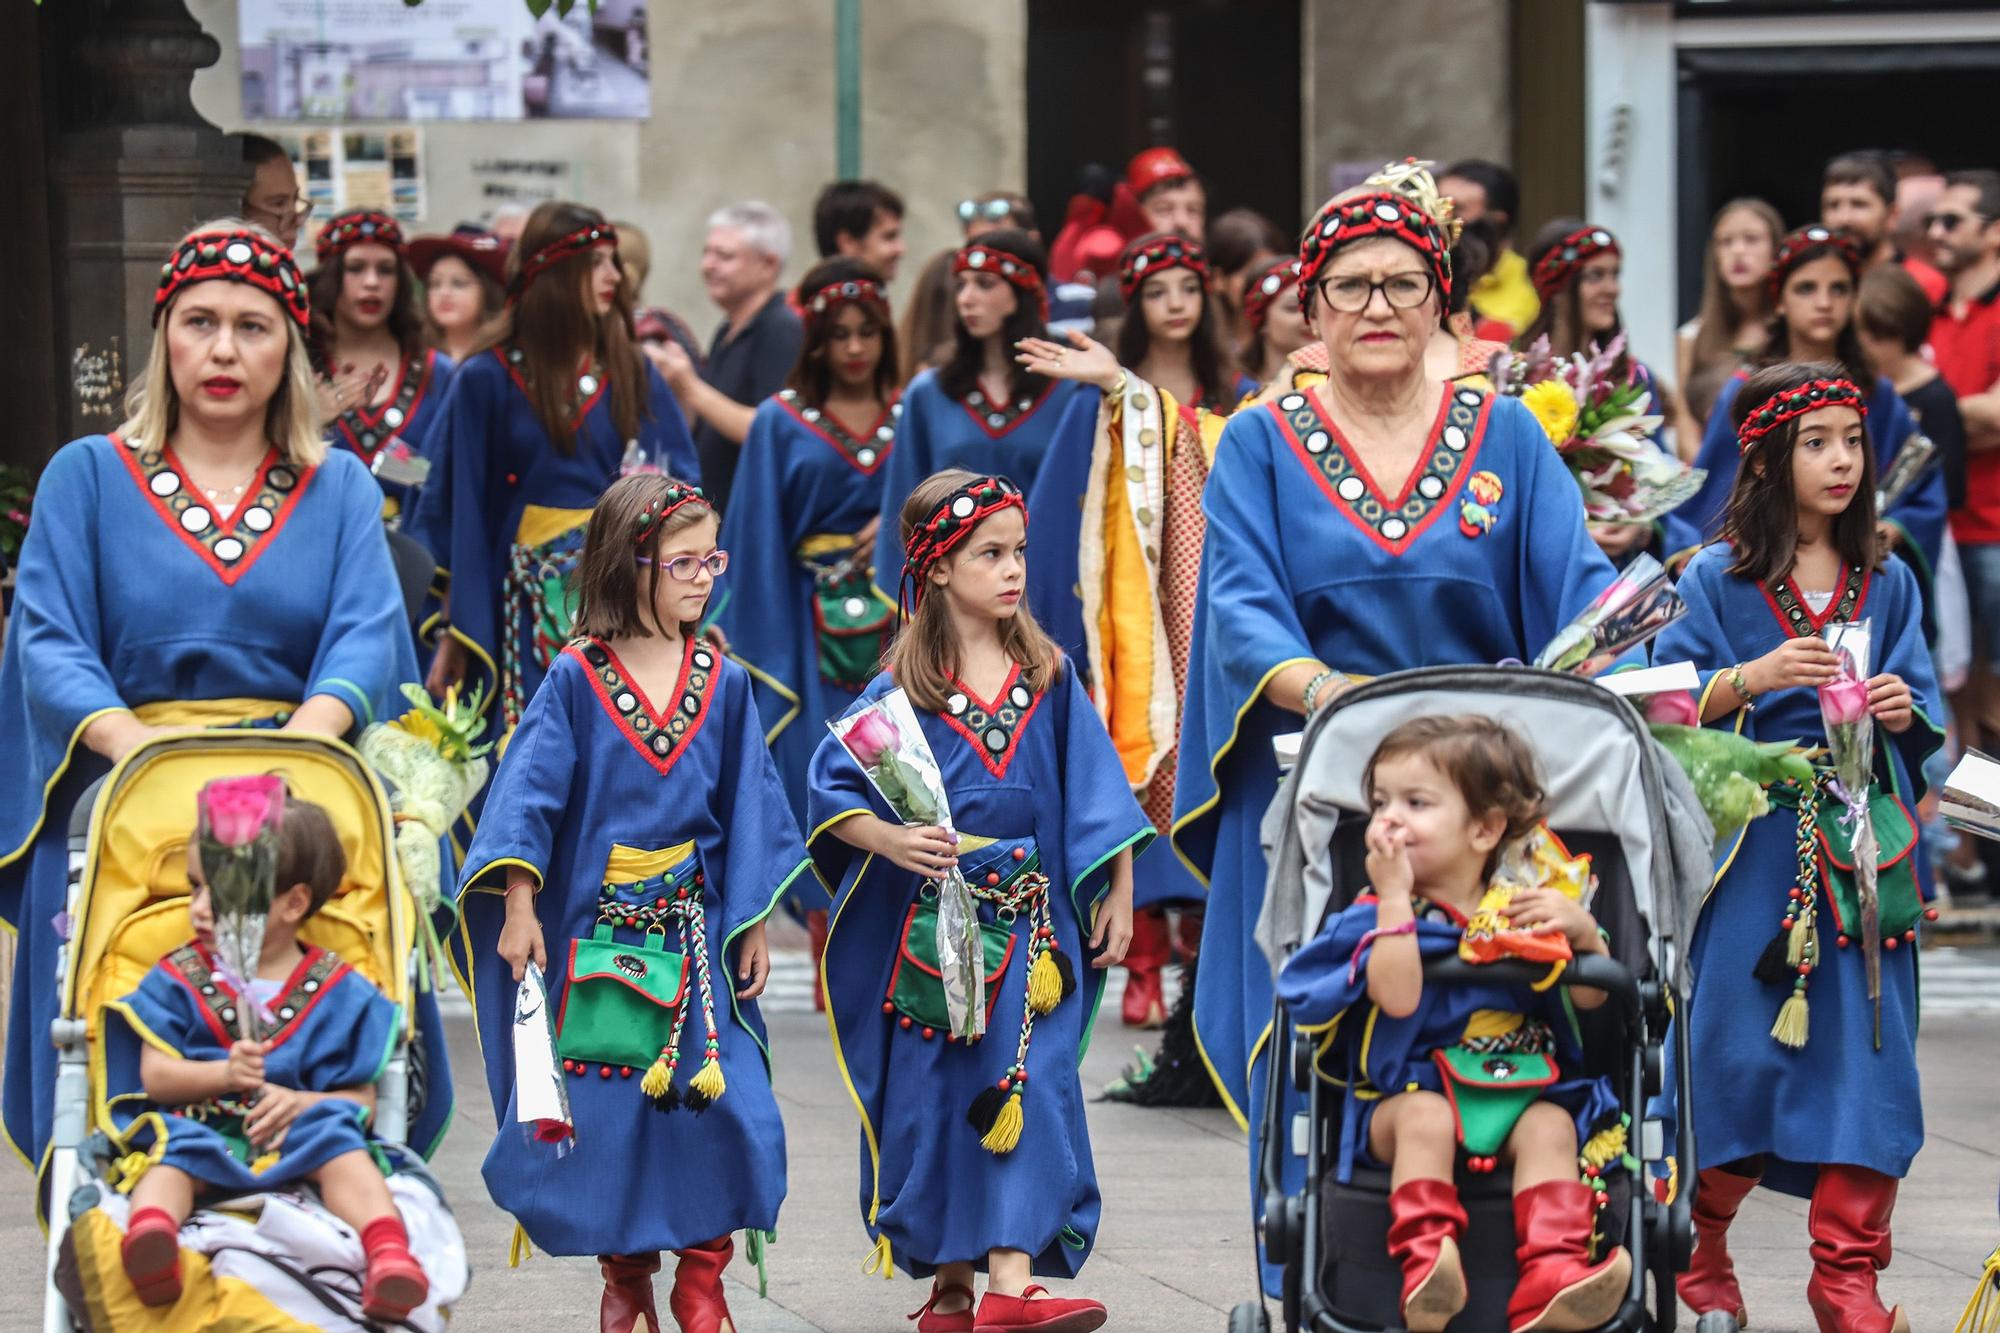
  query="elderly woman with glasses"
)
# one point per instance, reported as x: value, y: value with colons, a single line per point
x: 1382, y: 520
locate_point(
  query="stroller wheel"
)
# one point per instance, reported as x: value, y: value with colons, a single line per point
x: 1716, y: 1321
x: 1249, y: 1317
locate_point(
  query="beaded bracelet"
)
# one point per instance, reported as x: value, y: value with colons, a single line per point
x: 1315, y: 685
x: 1741, y: 686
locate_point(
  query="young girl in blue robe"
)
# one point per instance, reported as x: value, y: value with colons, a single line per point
x: 142, y: 604
x: 1417, y: 1062
x: 535, y: 428
x: 635, y: 838
x: 1824, y: 1102
x: 979, y: 411
x: 217, y: 1114
x: 1047, y: 829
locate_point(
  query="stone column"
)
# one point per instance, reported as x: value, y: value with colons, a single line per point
x: 135, y: 166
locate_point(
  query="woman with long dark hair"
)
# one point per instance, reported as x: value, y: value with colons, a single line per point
x: 979, y: 410
x: 545, y: 415
x: 1814, y: 289
x: 385, y: 386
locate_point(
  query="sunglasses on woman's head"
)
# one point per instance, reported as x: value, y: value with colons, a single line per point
x: 993, y: 210
x: 687, y: 568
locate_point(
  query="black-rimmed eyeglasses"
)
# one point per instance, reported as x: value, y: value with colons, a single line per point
x: 1350, y: 296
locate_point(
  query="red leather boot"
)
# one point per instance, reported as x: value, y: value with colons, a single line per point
x: 1849, y: 1222
x: 151, y: 1252
x: 1710, y: 1282
x: 816, y: 940
x: 1558, y: 1287
x: 697, y: 1303
x: 1425, y: 1221
x: 1145, y: 997
x: 628, y: 1306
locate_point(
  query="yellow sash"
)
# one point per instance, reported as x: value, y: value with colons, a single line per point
x: 210, y: 713
x: 629, y: 865
x: 541, y: 524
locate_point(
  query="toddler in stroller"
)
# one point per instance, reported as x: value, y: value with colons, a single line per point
x: 1484, y: 1066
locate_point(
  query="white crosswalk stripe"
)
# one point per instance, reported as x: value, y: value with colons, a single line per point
x: 1959, y: 981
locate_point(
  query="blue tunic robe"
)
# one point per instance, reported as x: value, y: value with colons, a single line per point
x: 1920, y: 515
x: 489, y: 523
x: 939, y: 432
x: 1037, y: 776
x: 1480, y: 555
x: 131, y: 593
x: 411, y: 413
x: 332, y: 1031
x: 801, y: 477
x: 1376, y: 1056
x: 1837, y: 1099
x: 595, y: 768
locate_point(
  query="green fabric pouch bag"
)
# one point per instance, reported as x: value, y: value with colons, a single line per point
x: 618, y: 1008
x: 917, y: 986
x: 1488, y: 1091
x: 850, y: 627
x: 1900, y: 902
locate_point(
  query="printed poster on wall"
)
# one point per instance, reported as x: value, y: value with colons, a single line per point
x: 360, y: 60
x: 345, y: 168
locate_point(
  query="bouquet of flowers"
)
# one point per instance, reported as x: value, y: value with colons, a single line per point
x: 885, y: 739
x: 237, y: 835
x: 1729, y: 772
x: 1850, y: 741
x: 1602, y: 424
x: 429, y: 755
x: 1913, y: 462
x: 1638, y: 604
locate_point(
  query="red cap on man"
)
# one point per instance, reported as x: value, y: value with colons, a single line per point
x: 1155, y: 166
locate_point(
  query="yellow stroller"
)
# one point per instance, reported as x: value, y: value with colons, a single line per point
x: 270, y: 1262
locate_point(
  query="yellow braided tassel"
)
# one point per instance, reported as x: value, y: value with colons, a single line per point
x: 1791, y: 1027
x: 1005, y: 1135
x: 1982, y: 1313
x: 518, y: 1248
x: 654, y: 1084
x: 1044, y: 984
x: 708, y: 1081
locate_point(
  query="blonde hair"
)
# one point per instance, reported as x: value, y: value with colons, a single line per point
x: 924, y: 654
x: 291, y: 422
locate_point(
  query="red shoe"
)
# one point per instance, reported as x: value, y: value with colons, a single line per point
x: 816, y: 939
x: 396, y: 1284
x: 930, y: 1319
x: 1559, y: 1288
x: 152, y: 1255
x: 1049, y: 1314
x: 1425, y: 1221
x: 1849, y: 1222
x: 1710, y: 1282
x: 628, y: 1293
x: 697, y: 1302
x: 1145, y: 997
x: 1187, y: 933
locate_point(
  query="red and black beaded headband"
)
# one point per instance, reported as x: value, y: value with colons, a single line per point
x: 1380, y: 213
x: 1794, y: 403
x: 827, y: 301
x: 678, y: 496
x: 1018, y: 271
x: 950, y: 523
x: 561, y: 248
x: 1807, y: 244
x: 1259, y: 295
x: 361, y: 226
x: 1559, y: 267
x: 234, y: 256
x: 1156, y: 255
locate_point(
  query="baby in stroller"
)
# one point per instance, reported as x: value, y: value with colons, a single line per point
x: 1479, y: 1067
x: 220, y: 1114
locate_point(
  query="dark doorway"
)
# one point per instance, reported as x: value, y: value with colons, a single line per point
x: 1764, y: 121
x: 1219, y: 81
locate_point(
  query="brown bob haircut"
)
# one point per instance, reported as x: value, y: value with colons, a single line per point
x: 924, y: 656
x: 608, y: 601
x: 1489, y: 764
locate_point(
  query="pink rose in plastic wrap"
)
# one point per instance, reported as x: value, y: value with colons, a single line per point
x: 1675, y: 708
x: 871, y: 735
x: 236, y: 810
x: 1844, y: 699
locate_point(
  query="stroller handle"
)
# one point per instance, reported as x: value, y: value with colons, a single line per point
x: 1591, y: 969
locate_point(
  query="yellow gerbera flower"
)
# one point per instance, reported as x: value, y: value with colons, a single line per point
x: 1555, y: 407
x: 420, y: 725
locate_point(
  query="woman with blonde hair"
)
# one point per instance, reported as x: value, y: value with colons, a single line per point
x: 1734, y: 320
x: 209, y: 563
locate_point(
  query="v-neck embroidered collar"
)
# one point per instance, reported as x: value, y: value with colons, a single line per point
x: 315, y: 972
x: 369, y: 428
x: 660, y: 738
x: 1788, y: 603
x: 996, y: 419
x: 591, y: 382
x: 864, y: 454
x: 1392, y: 522
x: 993, y: 728
x: 228, y: 546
